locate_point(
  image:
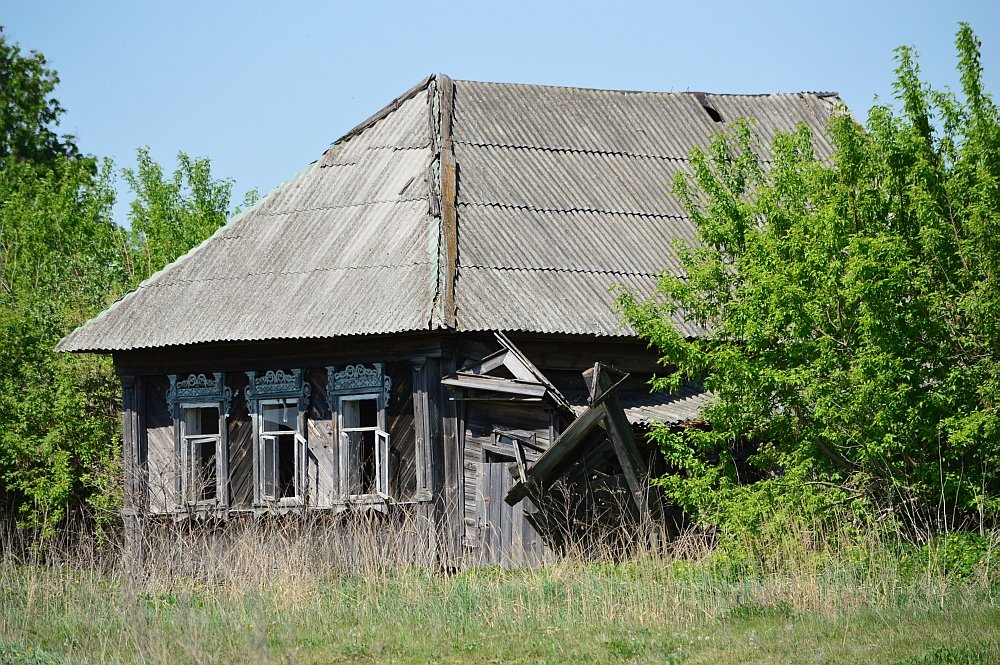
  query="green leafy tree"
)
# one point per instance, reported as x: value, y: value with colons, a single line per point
x: 853, y: 306
x: 62, y: 260
x: 29, y: 114
x: 170, y: 215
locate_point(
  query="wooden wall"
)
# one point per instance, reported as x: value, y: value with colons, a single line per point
x: 481, y: 418
x: 402, y: 433
x: 436, y: 442
x: 161, y: 459
x: 240, y: 433
x: 145, y: 402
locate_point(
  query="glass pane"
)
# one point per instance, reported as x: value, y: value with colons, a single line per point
x: 279, y: 417
x: 201, y: 420
x: 286, y: 466
x: 382, y: 444
x: 269, y: 474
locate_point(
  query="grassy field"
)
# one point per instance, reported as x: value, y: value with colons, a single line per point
x: 290, y: 605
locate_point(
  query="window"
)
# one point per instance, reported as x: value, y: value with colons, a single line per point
x: 358, y: 397
x: 364, y: 448
x: 201, y: 444
x: 199, y: 404
x: 276, y: 401
x: 281, y: 459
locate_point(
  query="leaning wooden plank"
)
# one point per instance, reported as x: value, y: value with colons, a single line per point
x: 561, y: 449
x: 495, y: 384
x: 620, y: 433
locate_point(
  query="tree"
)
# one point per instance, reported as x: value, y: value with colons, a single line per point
x: 854, y: 315
x: 29, y: 114
x: 171, y: 215
x: 61, y: 261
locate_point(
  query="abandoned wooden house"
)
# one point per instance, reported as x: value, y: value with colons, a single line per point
x: 404, y: 326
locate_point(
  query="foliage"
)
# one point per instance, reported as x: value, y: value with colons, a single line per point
x: 62, y: 260
x: 853, y: 310
x: 28, y: 112
x: 170, y: 215
x: 332, y: 595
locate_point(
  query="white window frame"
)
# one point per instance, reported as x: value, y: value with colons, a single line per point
x: 187, y: 459
x: 260, y: 435
x: 381, y: 448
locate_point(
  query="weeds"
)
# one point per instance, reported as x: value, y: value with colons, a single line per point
x: 349, y: 590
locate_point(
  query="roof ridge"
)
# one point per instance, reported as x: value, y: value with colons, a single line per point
x: 385, y: 110
x: 649, y: 92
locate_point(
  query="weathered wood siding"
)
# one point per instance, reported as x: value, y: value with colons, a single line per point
x: 322, y: 471
x: 239, y: 430
x: 402, y: 434
x: 506, y: 537
x: 481, y: 418
x: 161, y: 456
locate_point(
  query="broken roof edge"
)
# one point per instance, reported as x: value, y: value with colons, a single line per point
x: 384, y: 112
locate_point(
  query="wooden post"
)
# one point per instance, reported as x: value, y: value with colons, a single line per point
x: 451, y: 500
x: 426, y: 490
x: 603, y: 381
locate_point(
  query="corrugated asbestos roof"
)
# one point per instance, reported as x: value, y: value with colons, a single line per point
x: 346, y: 248
x: 563, y: 194
x: 645, y: 408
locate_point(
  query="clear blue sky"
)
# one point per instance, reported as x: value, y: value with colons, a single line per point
x: 262, y: 88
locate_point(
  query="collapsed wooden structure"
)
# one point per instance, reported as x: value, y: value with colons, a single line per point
x: 402, y: 328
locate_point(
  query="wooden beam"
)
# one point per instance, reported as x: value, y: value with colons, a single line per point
x: 521, y: 362
x: 604, y: 381
x: 449, y: 195
x: 494, y: 384
x: 488, y: 363
x: 560, y: 450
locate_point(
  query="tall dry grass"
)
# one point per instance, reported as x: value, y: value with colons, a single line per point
x: 356, y: 588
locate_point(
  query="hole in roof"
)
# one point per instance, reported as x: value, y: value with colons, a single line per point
x: 712, y: 113
x: 709, y: 109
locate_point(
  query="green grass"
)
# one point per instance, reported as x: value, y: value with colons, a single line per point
x: 646, y: 611
x: 288, y: 592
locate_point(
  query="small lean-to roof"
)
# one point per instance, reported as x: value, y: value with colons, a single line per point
x: 561, y: 194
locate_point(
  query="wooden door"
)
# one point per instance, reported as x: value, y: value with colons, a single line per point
x: 506, y: 536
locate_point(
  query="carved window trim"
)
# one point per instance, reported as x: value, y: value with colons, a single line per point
x: 198, y: 387
x: 358, y: 378
x: 275, y: 386
x: 354, y: 382
x: 197, y: 390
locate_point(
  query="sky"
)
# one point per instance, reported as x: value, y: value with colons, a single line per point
x: 262, y: 88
